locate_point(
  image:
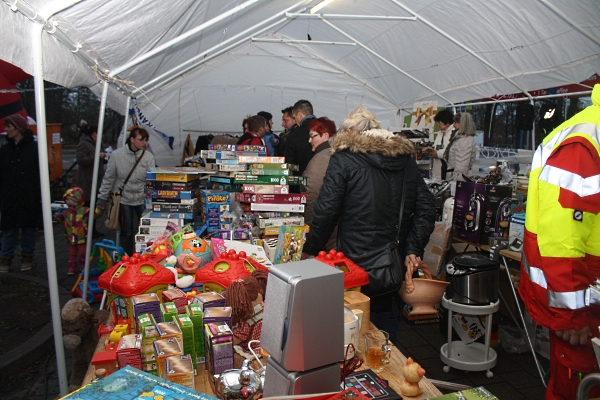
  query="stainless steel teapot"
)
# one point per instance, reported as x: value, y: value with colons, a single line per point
x: 241, y: 383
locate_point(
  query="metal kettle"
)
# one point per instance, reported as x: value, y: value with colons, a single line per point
x: 241, y: 383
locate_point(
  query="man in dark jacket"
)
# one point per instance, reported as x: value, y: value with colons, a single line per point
x: 369, y: 172
x: 85, y: 156
x: 20, y: 195
x: 297, y: 149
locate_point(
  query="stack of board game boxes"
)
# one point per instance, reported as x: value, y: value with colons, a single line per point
x: 172, y: 195
x: 222, y: 159
x: 266, y: 191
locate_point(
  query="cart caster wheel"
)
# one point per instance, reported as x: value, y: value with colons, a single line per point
x: 446, y: 369
x: 489, y: 374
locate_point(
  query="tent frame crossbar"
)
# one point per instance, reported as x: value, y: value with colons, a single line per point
x: 182, y: 37
x: 463, y: 46
x: 385, y: 60
x: 570, y: 21
x: 349, y: 16
x: 351, y: 75
x: 177, y: 71
x: 211, y: 57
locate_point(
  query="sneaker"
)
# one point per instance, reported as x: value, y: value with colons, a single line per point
x: 72, y: 270
x: 26, y: 262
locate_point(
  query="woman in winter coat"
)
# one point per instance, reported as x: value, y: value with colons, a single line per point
x: 20, y: 194
x: 369, y: 172
x: 460, y: 152
x: 122, y: 161
x: 320, y: 130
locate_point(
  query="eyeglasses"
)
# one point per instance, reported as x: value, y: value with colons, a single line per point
x: 315, y: 135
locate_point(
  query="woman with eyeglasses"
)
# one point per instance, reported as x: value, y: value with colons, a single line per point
x: 120, y: 165
x: 320, y: 130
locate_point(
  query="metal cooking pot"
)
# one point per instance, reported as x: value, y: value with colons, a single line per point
x: 473, y: 279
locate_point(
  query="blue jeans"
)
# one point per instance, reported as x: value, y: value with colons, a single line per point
x: 9, y: 241
x: 128, y: 221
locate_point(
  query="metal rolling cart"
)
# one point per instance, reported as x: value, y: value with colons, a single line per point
x: 472, y: 356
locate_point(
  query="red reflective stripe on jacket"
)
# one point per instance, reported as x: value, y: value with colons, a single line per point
x: 535, y: 297
x: 576, y: 155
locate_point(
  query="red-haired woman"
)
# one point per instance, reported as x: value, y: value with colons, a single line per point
x: 320, y: 130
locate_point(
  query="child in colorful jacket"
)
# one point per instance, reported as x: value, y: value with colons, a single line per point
x: 75, y: 220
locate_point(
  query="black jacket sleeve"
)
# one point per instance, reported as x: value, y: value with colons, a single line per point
x: 423, y: 220
x: 328, y: 207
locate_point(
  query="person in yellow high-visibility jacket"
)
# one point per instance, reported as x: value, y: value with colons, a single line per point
x: 561, y: 251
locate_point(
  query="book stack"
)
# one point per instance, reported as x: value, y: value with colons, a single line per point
x: 172, y: 195
x: 223, y: 159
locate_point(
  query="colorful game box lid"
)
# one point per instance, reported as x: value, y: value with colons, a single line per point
x: 130, y: 383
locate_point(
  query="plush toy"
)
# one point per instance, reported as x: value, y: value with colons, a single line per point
x: 412, y: 376
x: 80, y: 335
x: 245, y: 297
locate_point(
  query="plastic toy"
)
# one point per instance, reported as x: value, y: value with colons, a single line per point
x: 413, y: 373
x: 217, y: 275
x: 354, y: 276
x: 192, y: 253
x: 136, y: 275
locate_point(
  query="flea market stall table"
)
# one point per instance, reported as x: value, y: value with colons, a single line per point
x: 392, y: 373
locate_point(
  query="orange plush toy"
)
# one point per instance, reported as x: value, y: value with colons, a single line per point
x: 412, y: 376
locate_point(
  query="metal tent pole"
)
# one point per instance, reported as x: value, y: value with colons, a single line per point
x: 38, y: 79
x: 91, y: 220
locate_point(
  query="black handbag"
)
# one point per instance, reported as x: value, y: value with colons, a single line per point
x: 384, y: 265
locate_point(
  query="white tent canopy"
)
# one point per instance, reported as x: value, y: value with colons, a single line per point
x: 204, y: 65
x: 237, y: 57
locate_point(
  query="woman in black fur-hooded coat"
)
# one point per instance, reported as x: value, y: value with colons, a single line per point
x: 362, y: 192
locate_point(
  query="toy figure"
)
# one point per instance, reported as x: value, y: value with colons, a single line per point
x: 245, y: 296
x: 413, y: 373
x: 75, y: 220
x: 192, y: 253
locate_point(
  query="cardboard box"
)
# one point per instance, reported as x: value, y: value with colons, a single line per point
x: 180, y: 370
x: 170, y: 330
x: 516, y: 232
x: 290, y: 243
x: 147, y: 303
x: 413, y: 320
x: 176, y: 296
x: 129, y: 351
x: 481, y: 213
x: 166, y: 348
x: 256, y: 252
x: 272, y: 198
x: 194, y: 312
x: 187, y: 332
x: 168, y: 311
x: 261, y: 159
x: 217, y: 314
x: 209, y: 299
x: 219, y: 347
x: 280, y: 166
x: 157, y: 195
x: 214, y: 205
x: 265, y: 189
x: 270, y: 245
x: 177, y: 186
x: 277, y: 207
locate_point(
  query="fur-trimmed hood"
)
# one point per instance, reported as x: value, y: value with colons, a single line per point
x: 377, y: 141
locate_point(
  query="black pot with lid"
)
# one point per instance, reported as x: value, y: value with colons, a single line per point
x: 473, y: 279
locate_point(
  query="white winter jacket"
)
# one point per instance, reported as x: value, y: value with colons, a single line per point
x: 460, y: 157
x: 120, y: 164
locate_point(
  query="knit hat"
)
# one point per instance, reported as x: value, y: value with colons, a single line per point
x: 266, y: 115
x: 18, y: 121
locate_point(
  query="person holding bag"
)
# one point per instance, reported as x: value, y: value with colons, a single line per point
x: 385, y: 213
x: 125, y: 179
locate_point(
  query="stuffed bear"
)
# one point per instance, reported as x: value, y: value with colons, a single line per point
x: 80, y: 335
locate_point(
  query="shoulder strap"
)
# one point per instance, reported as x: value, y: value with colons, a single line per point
x: 132, y: 169
x: 401, y: 207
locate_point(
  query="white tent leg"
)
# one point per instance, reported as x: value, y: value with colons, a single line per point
x: 38, y: 79
x: 91, y: 220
